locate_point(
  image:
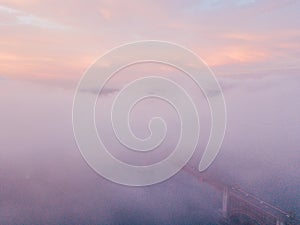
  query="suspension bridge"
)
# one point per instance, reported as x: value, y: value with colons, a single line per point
x: 241, y: 207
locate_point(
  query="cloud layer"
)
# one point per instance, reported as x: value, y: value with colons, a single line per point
x: 45, y: 180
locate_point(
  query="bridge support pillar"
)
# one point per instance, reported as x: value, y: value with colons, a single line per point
x: 278, y: 222
x: 225, y: 202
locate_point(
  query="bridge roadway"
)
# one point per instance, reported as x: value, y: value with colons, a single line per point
x: 237, y: 201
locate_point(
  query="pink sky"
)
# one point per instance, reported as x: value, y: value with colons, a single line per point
x: 60, y: 39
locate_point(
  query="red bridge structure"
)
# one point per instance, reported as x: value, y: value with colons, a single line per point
x: 241, y: 207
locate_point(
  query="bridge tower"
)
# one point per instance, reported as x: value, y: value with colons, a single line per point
x: 225, y: 202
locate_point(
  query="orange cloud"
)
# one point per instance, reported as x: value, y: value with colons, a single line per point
x: 244, y: 36
x: 235, y: 55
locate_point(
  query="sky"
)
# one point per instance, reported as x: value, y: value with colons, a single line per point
x: 58, y: 40
x: 253, y: 48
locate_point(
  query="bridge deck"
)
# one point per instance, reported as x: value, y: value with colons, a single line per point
x: 242, y: 200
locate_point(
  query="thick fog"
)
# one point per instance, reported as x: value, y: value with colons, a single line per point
x: 45, y: 180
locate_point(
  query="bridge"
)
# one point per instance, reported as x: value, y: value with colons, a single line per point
x: 241, y: 207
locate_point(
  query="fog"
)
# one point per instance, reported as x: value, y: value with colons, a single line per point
x: 45, y: 180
